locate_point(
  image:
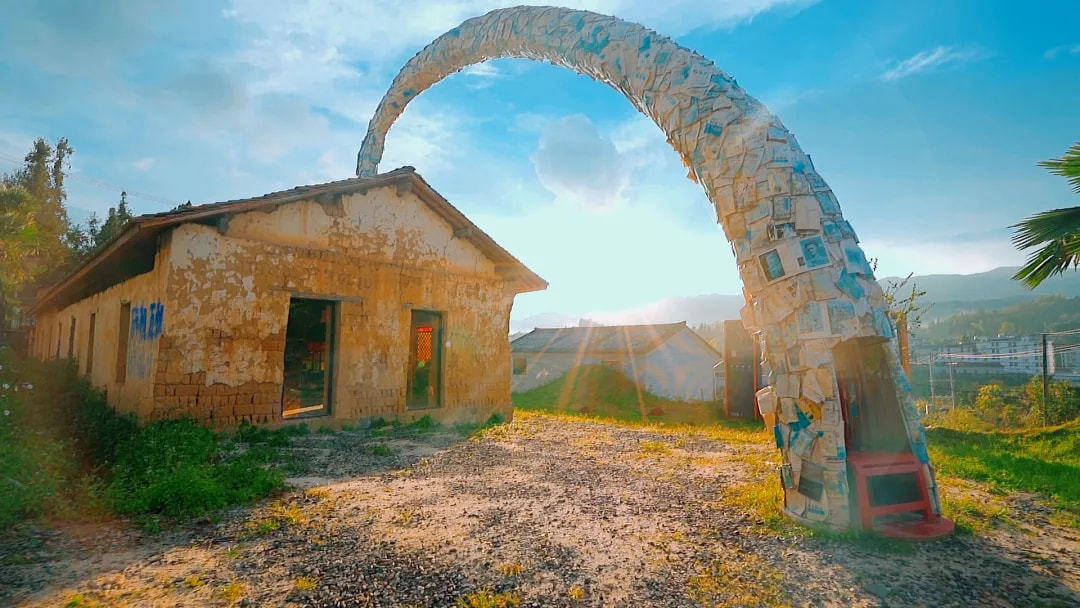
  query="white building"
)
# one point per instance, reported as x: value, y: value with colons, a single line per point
x: 1007, y: 355
x: 667, y: 360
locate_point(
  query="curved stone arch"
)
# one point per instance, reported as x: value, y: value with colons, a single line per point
x: 807, y: 283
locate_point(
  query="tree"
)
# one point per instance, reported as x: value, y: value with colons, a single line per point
x: 1055, y: 232
x: 37, y: 241
x: 118, y: 219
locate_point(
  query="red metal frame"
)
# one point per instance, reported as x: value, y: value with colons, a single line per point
x: 873, y: 464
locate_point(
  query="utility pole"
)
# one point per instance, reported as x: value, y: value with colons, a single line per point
x: 952, y: 383
x: 933, y: 398
x: 1046, y: 382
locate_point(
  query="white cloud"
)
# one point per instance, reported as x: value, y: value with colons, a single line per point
x: 931, y: 59
x: 578, y: 164
x: 945, y: 255
x: 1062, y: 49
x: 145, y: 163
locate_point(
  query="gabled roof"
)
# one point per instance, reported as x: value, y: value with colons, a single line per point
x: 132, y: 251
x: 611, y: 339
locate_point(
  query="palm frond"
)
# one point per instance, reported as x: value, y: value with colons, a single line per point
x: 1068, y: 166
x: 1058, y: 233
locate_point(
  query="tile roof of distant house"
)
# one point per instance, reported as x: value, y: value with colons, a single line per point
x: 611, y: 339
x: 110, y: 264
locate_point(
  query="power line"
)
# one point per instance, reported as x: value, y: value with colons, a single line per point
x: 102, y: 184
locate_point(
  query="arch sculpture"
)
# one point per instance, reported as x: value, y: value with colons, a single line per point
x: 810, y: 292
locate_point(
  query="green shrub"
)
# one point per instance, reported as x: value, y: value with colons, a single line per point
x: 35, y: 468
x: 176, y: 468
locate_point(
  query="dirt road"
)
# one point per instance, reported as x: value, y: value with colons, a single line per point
x: 545, y: 511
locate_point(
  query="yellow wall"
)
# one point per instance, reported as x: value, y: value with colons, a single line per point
x: 143, y: 292
x: 379, y: 254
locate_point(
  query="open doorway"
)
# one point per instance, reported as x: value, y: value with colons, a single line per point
x: 425, y: 360
x: 309, y: 358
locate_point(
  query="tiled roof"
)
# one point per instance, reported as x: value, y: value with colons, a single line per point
x: 112, y: 262
x: 612, y: 339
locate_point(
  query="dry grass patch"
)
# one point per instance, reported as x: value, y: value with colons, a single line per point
x: 576, y: 593
x: 486, y: 598
x: 656, y: 448
x: 743, y: 579
x: 728, y: 431
x: 232, y: 592
x: 510, y: 569
x: 972, y: 510
x: 194, y: 581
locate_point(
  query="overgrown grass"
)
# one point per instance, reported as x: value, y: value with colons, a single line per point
x: 65, y: 452
x: 178, y: 469
x: 1044, y: 461
x: 46, y: 421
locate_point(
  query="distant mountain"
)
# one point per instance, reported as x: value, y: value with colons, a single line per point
x: 991, y: 290
x: 693, y: 309
x: 949, y: 293
x: 993, y: 284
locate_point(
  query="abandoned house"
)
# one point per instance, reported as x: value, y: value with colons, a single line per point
x: 352, y: 299
x: 668, y: 360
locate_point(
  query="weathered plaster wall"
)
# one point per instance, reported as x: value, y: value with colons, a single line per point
x: 149, y: 316
x: 381, y: 254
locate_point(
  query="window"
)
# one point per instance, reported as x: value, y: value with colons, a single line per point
x: 424, y: 380
x: 122, y: 342
x: 71, y: 340
x: 519, y: 366
x: 90, y: 345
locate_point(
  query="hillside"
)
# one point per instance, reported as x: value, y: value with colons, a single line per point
x: 949, y: 293
x: 994, y: 284
x: 1047, y: 313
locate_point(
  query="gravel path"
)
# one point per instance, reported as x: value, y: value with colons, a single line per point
x: 544, y: 511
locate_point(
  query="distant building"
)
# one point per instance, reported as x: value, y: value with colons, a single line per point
x: 668, y: 360
x: 1003, y: 355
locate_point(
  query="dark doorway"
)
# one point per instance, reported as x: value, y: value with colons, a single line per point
x: 741, y: 373
x: 309, y: 358
x: 425, y: 360
x: 873, y: 421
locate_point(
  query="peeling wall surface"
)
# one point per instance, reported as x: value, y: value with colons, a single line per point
x: 128, y: 320
x: 207, y: 331
x: 807, y: 283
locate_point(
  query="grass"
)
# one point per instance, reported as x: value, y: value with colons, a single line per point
x: 509, y: 569
x: 741, y: 580
x: 232, y: 592
x: 64, y: 453
x: 194, y: 581
x: 179, y: 469
x: 1045, y: 461
x: 726, y: 430
x: 486, y: 598
x: 972, y: 512
x: 598, y: 390
x: 306, y: 583
x: 658, y: 448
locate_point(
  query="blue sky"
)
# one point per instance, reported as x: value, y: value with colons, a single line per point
x: 926, y: 118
